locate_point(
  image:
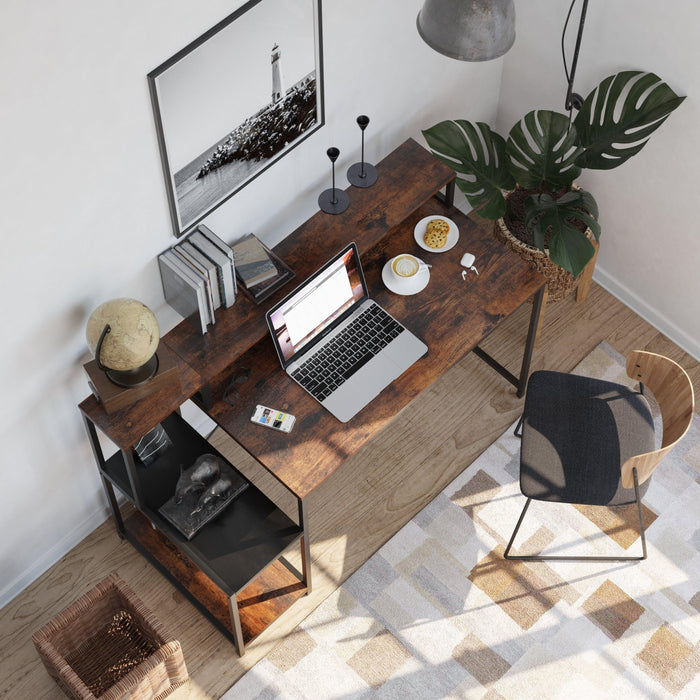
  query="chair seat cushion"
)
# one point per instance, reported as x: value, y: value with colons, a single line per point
x: 577, y: 432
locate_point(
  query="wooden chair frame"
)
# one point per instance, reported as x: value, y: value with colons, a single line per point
x: 673, y: 391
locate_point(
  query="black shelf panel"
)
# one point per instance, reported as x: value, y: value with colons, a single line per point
x: 239, y: 543
x: 158, y: 480
x: 236, y: 545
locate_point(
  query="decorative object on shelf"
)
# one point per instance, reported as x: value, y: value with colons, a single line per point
x: 527, y: 182
x: 123, y: 334
x: 154, y: 443
x: 215, y: 129
x: 333, y: 200
x: 478, y: 30
x: 259, y: 270
x: 362, y: 174
x: 198, y: 277
x: 201, y: 493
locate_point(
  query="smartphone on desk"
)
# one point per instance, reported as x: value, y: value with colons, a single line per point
x: 270, y: 418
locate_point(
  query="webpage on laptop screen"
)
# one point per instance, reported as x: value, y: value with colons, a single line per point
x: 306, y: 313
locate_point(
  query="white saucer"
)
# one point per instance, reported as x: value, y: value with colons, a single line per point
x: 452, y: 234
x: 415, y: 284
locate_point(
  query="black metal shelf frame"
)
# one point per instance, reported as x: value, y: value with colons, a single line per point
x: 232, y: 550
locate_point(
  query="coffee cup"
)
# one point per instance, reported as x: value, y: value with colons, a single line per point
x: 405, y: 267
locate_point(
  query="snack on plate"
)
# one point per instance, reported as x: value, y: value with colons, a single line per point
x: 436, y: 233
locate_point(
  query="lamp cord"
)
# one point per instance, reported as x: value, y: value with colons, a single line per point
x: 573, y: 100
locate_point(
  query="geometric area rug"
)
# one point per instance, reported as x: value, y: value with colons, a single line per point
x: 437, y: 612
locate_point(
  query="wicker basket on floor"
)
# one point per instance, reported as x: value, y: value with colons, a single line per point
x: 108, y: 645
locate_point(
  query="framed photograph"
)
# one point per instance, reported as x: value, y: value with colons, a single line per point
x: 236, y: 100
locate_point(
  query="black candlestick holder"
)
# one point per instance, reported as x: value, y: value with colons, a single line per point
x: 362, y: 174
x: 333, y: 201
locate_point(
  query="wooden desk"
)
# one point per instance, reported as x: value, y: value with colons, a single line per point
x: 452, y: 316
x: 240, y: 552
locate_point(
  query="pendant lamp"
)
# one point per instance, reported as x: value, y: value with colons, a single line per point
x: 468, y: 30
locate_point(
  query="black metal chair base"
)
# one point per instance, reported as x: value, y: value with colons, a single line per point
x: 518, y: 432
x: 542, y: 557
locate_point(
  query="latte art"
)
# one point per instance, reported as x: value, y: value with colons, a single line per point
x: 405, y: 266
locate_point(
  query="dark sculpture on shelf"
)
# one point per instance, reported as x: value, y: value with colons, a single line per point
x: 202, y: 491
x: 195, y: 479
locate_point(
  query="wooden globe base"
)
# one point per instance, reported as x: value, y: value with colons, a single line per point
x: 114, y: 397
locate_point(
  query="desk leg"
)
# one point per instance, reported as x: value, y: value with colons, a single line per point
x: 449, y: 197
x: 100, y: 459
x: 305, y: 547
x: 520, y: 382
x: 537, y: 303
x: 236, y: 625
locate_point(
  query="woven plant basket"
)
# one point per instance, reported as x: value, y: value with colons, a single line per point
x: 560, y: 282
x: 108, y: 645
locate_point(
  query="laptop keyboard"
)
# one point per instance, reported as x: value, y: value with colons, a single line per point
x: 349, y: 350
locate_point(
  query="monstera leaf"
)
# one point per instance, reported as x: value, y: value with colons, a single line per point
x: 542, y: 151
x: 568, y: 247
x: 479, y: 153
x: 618, y: 117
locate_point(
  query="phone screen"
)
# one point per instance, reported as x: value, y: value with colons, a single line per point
x: 271, y: 418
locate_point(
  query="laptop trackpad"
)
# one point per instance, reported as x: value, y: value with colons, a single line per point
x: 362, y: 387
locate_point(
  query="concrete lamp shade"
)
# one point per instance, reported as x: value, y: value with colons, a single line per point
x: 468, y: 30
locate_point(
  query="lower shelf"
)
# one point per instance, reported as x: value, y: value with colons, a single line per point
x: 259, y: 604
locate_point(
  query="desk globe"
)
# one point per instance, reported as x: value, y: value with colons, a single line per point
x: 124, y: 334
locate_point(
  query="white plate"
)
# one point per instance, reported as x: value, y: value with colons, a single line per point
x: 452, y: 234
x: 416, y: 284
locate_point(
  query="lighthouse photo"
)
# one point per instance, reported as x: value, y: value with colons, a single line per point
x: 277, y: 89
x: 237, y: 102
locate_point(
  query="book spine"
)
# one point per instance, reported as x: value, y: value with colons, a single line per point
x: 226, y: 249
x: 201, y: 272
x: 200, y: 281
x: 208, y: 267
x: 182, y: 292
x: 223, y: 263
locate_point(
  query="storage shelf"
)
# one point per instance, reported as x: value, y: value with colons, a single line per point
x: 260, y: 603
x: 237, y: 544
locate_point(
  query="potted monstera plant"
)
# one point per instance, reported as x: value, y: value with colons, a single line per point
x: 527, y: 182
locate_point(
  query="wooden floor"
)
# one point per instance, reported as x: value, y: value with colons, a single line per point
x: 351, y: 514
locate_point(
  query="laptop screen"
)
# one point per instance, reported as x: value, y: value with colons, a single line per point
x: 302, y: 317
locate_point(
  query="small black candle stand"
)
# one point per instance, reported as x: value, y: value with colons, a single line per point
x: 362, y: 174
x: 333, y: 201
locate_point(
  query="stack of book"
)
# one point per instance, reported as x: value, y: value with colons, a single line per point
x: 198, y: 276
x: 258, y: 269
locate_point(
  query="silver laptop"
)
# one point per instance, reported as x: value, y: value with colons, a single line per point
x: 337, y: 343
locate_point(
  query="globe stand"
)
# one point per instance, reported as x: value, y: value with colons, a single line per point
x: 333, y: 200
x: 114, y: 397
x: 126, y: 378
x: 362, y: 174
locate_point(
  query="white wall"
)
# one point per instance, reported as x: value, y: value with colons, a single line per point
x: 84, y: 210
x: 650, y: 245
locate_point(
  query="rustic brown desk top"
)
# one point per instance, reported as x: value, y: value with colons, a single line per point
x: 451, y: 315
x: 408, y: 176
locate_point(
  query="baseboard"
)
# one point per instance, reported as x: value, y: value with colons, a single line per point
x: 648, y: 313
x: 51, y: 556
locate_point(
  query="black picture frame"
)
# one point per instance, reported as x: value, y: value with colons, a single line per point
x: 216, y: 130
